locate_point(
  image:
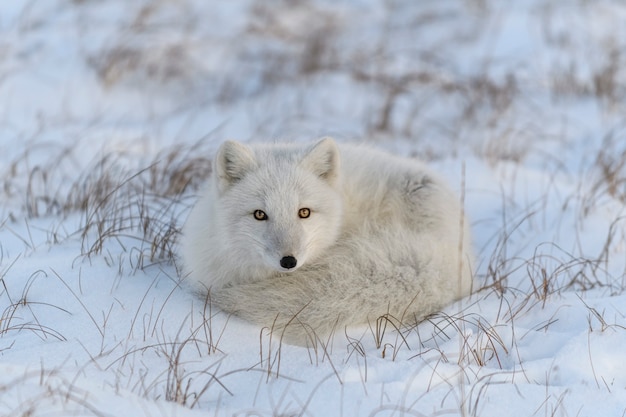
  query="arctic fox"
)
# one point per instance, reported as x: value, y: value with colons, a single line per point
x: 306, y: 240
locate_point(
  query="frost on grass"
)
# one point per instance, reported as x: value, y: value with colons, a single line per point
x: 101, y: 160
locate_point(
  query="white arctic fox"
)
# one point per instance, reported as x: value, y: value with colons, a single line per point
x: 308, y: 239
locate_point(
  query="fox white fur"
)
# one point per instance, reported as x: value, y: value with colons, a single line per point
x: 384, y: 236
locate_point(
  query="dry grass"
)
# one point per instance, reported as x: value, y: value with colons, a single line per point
x: 116, y: 201
x: 22, y: 314
x: 608, y: 171
x: 144, y: 205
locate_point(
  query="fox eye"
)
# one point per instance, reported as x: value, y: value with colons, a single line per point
x: 260, y: 215
x: 304, y: 213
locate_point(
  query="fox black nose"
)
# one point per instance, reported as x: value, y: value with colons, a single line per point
x: 288, y: 262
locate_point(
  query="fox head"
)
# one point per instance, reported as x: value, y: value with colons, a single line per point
x: 281, y: 205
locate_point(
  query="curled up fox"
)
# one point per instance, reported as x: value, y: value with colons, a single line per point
x: 306, y: 240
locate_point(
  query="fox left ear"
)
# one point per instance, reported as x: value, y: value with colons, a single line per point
x: 232, y: 162
x: 323, y: 160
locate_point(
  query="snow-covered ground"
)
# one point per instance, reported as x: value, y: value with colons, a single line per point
x: 110, y: 113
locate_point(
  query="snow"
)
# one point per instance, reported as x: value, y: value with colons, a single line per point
x: 521, y: 107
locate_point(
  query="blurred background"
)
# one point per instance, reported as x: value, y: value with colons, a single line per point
x: 454, y: 76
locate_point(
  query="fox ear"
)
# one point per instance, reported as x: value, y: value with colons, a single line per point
x: 323, y: 160
x: 232, y: 162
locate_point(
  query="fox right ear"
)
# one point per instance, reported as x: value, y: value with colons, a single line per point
x: 323, y: 159
x: 232, y: 162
